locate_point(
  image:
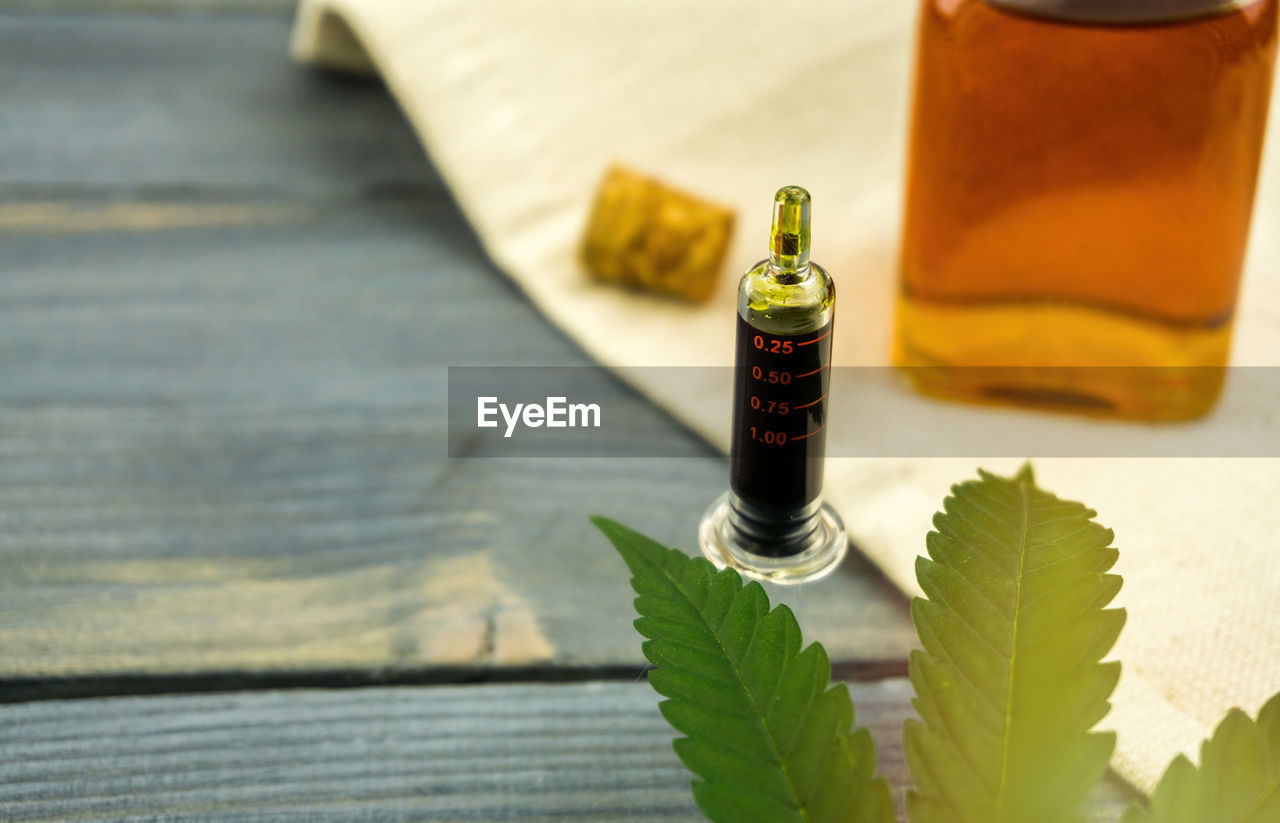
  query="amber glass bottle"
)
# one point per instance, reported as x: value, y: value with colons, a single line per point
x: 1080, y: 185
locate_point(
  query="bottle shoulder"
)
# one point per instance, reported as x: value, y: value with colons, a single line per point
x: 775, y: 305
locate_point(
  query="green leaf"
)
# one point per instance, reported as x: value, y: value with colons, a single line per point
x: 765, y: 737
x: 1238, y: 780
x: 1009, y: 683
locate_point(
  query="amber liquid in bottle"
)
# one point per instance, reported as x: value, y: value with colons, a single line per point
x: 1079, y: 196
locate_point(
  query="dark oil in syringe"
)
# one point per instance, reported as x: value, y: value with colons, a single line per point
x: 779, y: 429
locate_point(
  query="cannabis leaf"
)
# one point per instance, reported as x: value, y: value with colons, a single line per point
x: 1238, y: 780
x: 1008, y: 683
x: 768, y: 741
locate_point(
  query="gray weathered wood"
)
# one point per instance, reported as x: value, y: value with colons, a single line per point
x: 595, y: 751
x: 224, y: 449
x: 224, y: 337
x: 182, y: 104
x: 277, y: 8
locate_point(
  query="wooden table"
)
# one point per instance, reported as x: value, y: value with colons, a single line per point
x: 239, y: 570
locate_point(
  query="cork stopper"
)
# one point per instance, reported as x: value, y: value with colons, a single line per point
x: 647, y: 235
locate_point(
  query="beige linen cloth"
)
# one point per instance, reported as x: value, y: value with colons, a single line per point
x: 522, y: 105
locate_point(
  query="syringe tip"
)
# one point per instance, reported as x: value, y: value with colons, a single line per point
x: 789, y: 243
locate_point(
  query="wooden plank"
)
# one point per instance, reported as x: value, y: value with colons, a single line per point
x: 224, y: 451
x: 595, y: 751
x: 178, y: 103
x: 277, y: 8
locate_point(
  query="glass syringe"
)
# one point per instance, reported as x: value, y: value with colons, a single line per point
x: 772, y: 524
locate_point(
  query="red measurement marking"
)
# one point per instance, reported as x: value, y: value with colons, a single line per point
x: 810, y: 373
x: 814, y: 403
x: 810, y: 434
x: 815, y: 340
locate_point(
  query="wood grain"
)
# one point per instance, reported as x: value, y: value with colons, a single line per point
x: 229, y: 293
x: 594, y: 751
x: 278, y: 8
x: 189, y: 106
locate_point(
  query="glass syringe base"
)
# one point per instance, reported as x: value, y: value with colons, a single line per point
x: 826, y: 548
